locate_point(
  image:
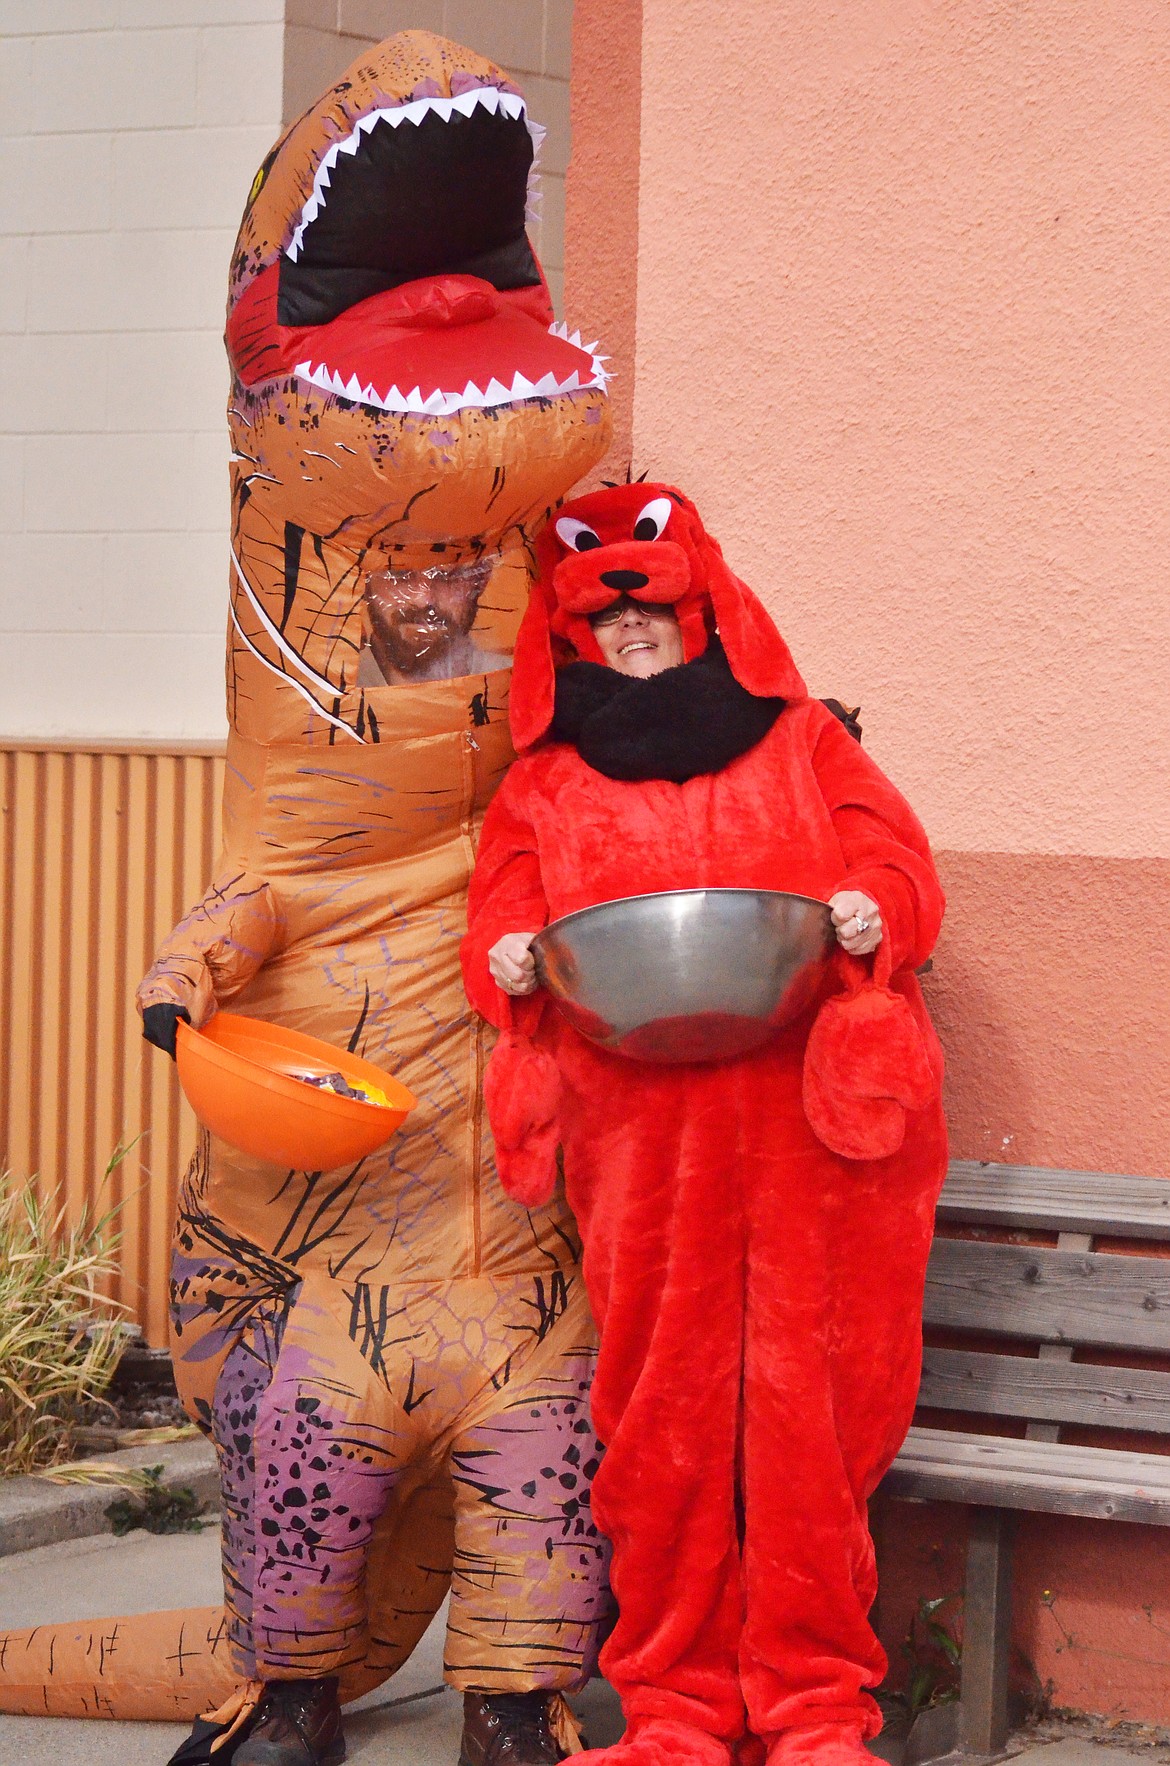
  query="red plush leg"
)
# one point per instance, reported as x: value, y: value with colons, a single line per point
x: 656, y: 1193
x: 836, y: 1264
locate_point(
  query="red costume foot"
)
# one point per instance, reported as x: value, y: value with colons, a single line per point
x: 822, y: 1744
x: 756, y: 1231
x: 662, y: 1742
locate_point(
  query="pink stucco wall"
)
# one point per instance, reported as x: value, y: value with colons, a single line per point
x: 903, y: 324
x: 899, y: 320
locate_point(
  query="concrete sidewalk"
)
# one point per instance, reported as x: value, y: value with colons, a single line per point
x: 102, y: 1576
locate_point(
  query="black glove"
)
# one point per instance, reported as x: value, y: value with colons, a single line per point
x: 158, y: 1026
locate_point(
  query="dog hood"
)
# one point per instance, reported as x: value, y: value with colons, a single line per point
x: 646, y: 541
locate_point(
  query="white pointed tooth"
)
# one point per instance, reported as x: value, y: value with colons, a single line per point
x: 575, y: 338
x: 546, y: 386
x: 522, y: 387
x: 368, y: 122
x: 414, y: 401
x: 471, y: 394
x: 415, y: 111
x: 572, y: 384
x: 351, y: 144
x: 353, y: 387
x: 489, y: 97
x: 511, y: 104
x: 392, y: 400
x: 497, y: 393
x: 466, y: 102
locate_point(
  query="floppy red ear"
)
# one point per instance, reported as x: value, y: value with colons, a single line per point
x: 867, y: 1062
x: 760, y: 659
x: 530, y: 705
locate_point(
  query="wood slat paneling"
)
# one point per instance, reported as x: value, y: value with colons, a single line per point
x: 100, y: 853
x: 1026, y: 1196
x: 1058, y: 1391
x: 1055, y: 1296
x: 935, y: 1465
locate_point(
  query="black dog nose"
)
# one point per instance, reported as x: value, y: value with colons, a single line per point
x: 624, y: 579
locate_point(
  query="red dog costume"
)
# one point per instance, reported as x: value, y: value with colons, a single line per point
x: 756, y: 1232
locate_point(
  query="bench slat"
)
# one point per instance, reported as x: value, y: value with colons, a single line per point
x: 1032, y: 1196
x: 1046, y: 1295
x: 938, y: 1466
x: 1052, y: 1391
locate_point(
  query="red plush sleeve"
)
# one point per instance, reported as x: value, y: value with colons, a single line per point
x: 887, y: 854
x: 505, y: 895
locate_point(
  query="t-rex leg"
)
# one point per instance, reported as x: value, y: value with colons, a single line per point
x: 530, y: 1597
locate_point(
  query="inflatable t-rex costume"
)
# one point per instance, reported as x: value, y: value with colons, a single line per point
x: 392, y: 1360
x: 756, y: 1231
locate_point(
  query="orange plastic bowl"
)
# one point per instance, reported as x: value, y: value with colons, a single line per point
x: 235, y: 1072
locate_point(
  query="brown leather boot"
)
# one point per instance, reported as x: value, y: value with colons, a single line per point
x: 512, y: 1729
x: 297, y: 1723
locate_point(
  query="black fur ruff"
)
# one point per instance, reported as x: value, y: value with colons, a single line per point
x: 688, y: 720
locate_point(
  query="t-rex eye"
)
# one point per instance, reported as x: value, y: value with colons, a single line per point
x: 576, y: 534
x: 651, y: 523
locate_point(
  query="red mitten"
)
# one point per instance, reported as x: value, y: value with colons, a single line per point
x: 522, y: 1092
x: 867, y: 1062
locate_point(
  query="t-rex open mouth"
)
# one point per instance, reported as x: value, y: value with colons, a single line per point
x: 408, y: 282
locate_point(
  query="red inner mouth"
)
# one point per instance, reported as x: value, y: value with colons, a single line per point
x: 435, y: 334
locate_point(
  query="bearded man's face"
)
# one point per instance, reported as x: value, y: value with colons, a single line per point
x: 419, y: 617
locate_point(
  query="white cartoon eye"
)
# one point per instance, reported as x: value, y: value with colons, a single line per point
x: 651, y: 523
x: 576, y: 535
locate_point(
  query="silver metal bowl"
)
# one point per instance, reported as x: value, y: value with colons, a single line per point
x: 688, y: 974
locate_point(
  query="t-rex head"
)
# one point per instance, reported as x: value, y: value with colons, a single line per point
x: 397, y: 368
x: 401, y: 394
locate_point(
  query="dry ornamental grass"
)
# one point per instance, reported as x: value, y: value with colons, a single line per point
x: 60, y: 1336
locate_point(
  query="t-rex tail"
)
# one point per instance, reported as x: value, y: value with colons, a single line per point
x: 169, y: 1667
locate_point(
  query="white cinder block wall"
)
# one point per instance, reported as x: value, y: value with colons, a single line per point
x: 129, y: 134
x: 131, y: 131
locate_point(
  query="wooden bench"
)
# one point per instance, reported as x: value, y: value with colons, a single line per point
x: 1045, y: 1302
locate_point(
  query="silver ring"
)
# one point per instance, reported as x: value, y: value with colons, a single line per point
x: 862, y: 925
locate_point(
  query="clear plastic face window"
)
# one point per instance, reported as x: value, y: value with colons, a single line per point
x: 439, y: 623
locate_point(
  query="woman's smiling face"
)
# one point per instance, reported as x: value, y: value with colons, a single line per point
x: 638, y: 639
